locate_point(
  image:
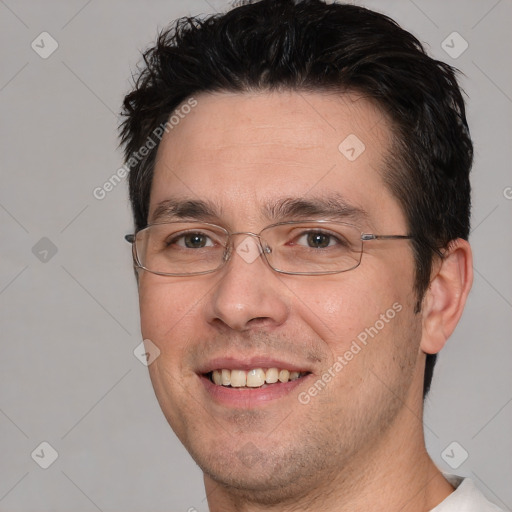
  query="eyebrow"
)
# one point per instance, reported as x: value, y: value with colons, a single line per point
x: 178, y: 209
x: 331, y: 206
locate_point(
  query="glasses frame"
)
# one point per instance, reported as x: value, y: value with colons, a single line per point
x: 365, y: 237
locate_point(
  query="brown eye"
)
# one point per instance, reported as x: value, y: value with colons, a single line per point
x: 318, y: 240
x: 195, y: 240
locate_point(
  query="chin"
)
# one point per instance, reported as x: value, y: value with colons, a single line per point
x: 272, y: 476
x: 263, y: 486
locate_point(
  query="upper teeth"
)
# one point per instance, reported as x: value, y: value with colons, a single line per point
x: 253, y: 378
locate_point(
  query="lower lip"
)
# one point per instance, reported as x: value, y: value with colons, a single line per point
x: 248, y: 398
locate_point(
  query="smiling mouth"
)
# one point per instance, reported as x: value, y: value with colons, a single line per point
x: 255, y: 378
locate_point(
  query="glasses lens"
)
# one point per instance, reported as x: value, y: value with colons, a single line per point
x: 181, y: 248
x: 314, y: 247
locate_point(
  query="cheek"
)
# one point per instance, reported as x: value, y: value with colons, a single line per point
x: 167, y: 307
x: 341, y: 308
x: 337, y: 305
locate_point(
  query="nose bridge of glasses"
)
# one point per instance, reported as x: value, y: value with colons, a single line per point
x: 249, y: 246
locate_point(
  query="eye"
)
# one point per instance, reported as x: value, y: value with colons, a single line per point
x: 317, y: 239
x: 192, y: 241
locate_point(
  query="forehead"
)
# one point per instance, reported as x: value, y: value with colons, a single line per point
x: 243, y: 151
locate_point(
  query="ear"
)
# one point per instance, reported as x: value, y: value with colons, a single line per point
x: 446, y: 295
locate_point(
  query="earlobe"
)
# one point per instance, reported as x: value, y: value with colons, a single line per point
x: 446, y: 296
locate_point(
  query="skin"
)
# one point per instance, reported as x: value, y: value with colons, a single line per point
x: 358, y: 444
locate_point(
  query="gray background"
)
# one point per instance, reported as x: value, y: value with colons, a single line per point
x: 69, y: 320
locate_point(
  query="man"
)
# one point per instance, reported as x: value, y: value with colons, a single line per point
x: 301, y: 252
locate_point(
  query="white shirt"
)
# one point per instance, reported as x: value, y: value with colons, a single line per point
x: 466, y: 498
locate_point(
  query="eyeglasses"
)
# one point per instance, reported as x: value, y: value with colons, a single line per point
x: 307, y: 248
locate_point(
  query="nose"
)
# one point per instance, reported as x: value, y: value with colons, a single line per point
x: 249, y: 293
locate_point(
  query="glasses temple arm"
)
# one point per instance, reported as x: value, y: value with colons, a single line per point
x: 369, y: 236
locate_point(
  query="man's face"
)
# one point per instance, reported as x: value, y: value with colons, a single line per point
x: 245, y: 155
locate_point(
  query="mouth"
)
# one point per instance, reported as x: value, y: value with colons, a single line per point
x: 251, y: 381
x: 253, y: 378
